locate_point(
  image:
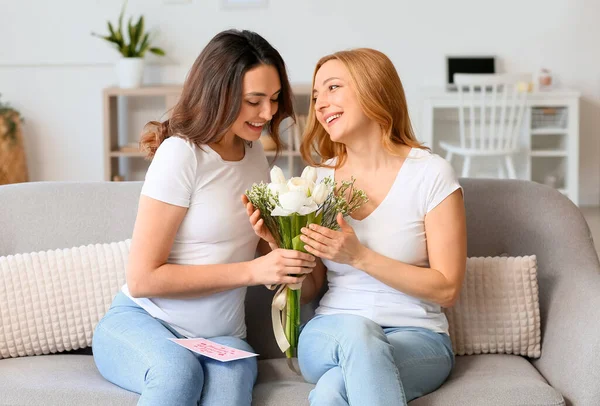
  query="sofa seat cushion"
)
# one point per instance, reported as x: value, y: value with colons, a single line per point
x: 277, y: 385
x: 61, y: 379
x: 493, y: 380
x: 67, y: 379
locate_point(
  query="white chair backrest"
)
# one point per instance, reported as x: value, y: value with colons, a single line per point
x: 491, y: 110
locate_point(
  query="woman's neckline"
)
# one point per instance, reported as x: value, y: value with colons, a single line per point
x: 213, y: 152
x: 389, y: 193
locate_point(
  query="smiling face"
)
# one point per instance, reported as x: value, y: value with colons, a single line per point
x: 336, y: 106
x: 260, y: 100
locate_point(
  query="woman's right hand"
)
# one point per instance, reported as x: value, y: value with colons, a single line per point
x: 280, y: 265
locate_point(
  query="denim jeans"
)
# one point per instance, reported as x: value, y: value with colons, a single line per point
x: 354, y: 361
x: 132, y: 350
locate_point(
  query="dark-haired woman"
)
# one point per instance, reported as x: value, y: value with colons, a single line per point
x: 192, y: 251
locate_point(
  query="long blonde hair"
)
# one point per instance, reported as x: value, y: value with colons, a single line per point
x: 381, y: 96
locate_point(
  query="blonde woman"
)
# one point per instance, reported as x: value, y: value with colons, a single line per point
x: 379, y: 336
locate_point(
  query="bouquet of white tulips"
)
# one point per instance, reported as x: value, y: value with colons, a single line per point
x: 286, y: 206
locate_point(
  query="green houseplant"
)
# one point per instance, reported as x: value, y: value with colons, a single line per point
x: 133, y: 46
x: 13, y: 165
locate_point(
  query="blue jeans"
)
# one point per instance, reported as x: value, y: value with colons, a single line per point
x: 354, y: 361
x: 132, y: 350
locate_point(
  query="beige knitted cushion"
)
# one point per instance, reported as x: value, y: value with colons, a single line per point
x: 498, y: 309
x: 51, y: 301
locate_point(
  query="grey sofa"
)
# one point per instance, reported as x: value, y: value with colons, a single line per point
x: 514, y: 217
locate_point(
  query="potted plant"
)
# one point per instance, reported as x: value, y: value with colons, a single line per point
x: 13, y: 165
x: 130, y: 67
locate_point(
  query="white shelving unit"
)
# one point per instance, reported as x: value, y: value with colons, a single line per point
x: 115, y: 152
x: 550, y: 140
x: 554, y: 144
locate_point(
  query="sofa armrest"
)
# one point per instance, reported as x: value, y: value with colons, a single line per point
x: 525, y: 218
x: 570, y: 359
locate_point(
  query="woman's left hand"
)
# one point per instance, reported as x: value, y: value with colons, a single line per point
x: 340, y: 246
x: 258, y: 224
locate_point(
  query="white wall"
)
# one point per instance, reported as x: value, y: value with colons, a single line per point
x: 54, y: 71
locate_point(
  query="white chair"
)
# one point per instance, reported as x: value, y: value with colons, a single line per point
x: 490, y: 114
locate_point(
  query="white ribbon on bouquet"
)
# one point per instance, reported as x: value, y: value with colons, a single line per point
x: 278, y: 317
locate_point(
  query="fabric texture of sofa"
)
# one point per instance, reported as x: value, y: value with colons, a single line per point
x: 503, y: 217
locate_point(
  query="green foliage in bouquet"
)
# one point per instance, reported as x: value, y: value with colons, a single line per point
x: 346, y: 199
x: 263, y: 199
x: 139, y: 41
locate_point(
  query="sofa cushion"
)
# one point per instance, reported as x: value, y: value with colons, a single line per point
x: 50, y: 301
x: 54, y: 380
x: 74, y: 380
x: 277, y: 385
x: 62, y: 379
x: 493, y: 380
x: 498, y: 309
x: 476, y: 380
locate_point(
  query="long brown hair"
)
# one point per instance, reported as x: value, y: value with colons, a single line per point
x: 211, y: 97
x: 381, y: 96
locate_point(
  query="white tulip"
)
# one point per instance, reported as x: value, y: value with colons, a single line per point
x: 310, y: 174
x: 304, y: 210
x: 320, y: 193
x: 278, y: 211
x: 277, y: 175
x: 301, y: 184
x: 294, y: 202
x: 278, y: 188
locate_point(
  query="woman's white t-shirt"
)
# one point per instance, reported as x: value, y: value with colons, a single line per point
x: 215, y: 229
x: 395, y: 229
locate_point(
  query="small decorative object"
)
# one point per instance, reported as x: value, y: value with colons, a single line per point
x: 130, y: 68
x: 525, y: 87
x: 286, y: 206
x: 545, y: 79
x: 13, y: 165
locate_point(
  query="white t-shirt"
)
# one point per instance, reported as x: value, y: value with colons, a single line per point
x: 215, y: 229
x: 395, y: 229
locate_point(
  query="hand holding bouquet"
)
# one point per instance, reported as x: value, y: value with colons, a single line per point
x: 286, y: 207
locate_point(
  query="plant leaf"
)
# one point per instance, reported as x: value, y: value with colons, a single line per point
x: 113, y: 36
x: 157, y: 51
x: 119, y: 34
x: 131, y: 31
x: 142, y: 51
x: 144, y: 45
x: 113, y: 40
x: 139, y: 31
x: 121, y: 18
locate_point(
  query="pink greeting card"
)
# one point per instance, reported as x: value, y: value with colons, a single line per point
x: 212, y: 350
